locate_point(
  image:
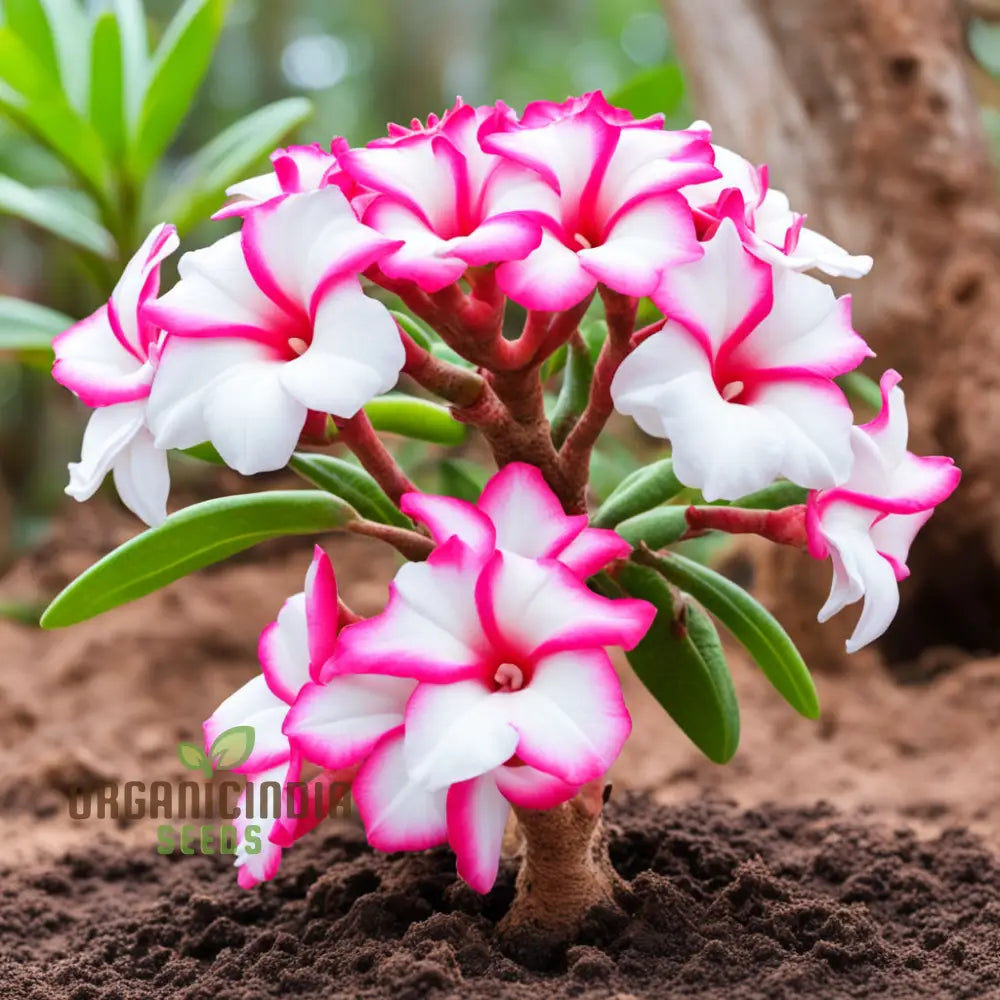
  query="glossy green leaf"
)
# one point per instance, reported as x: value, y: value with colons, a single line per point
x: 56, y: 31
x: 418, y: 331
x: 654, y: 91
x: 189, y: 540
x: 107, y: 84
x: 27, y: 327
x: 773, y: 497
x: 415, y: 418
x: 441, y: 350
x: 33, y: 100
x: 646, y: 488
x: 655, y: 528
x: 574, y: 392
x: 178, y: 68
x: 56, y: 215
x: 352, y: 484
x: 754, y: 626
x: 462, y: 478
x: 861, y: 388
x: 681, y: 663
x: 202, y: 181
x: 134, y: 35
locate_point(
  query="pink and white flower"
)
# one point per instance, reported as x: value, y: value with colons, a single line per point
x: 433, y: 191
x: 108, y: 360
x: 297, y: 169
x: 503, y: 692
x: 518, y: 512
x: 605, y: 191
x: 740, y: 379
x: 291, y: 651
x: 765, y: 220
x: 269, y: 324
x: 867, y: 523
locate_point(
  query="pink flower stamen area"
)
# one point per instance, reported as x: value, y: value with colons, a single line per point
x: 509, y: 677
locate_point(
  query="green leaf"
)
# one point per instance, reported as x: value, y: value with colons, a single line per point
x: 191, y: 539
x: 645, y: 488
x: 56, y: 31
x: 861, y: 388
x: 107, y: 84
x: 131, y: 19
x: 462, y: 479
x: 574, y: 392
x: 415, y: 418
x: 232, y: 748
x: 754, y: 626
x: 655, y: 528
x: 202, y: 180
x: 178, y: 68
x: 655, y: 90
x: 420, y: 332
x: 352, y: 484
x: 25, y: 326
x: 56, y: 215
x: 441, y: 350
x: 773, y: 497
x: 681, y: 663
x: 193, y: 758
x: 31, y: 98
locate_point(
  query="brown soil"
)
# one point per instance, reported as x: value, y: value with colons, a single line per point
x: 761, y: 901
x: 769, y: 903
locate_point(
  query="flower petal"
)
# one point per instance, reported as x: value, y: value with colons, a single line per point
x: 550, y: 279
x: 527, y: 515
x: 110, y: 431
x: 257, y: 857
x: 283, y: 650
x: 720, y: 297
x: 430, y: 629
x: 398, y: 814
x: 338, y: 723
x: 142, y: 478
x: 91, y: 362
x: 571, y: 716
x: 356, y: 353
x: 477, y: 818
x: 651, y: 235
x: 449, y: 517
x: 456, y: 731
x: 322, y: 611
x: 526, y: 786
x: 592, y: 550
x: 254, y: 705
x: 532, y: 607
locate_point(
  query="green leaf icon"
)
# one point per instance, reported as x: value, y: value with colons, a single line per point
x: 232, y: 748
x: 193, y: 757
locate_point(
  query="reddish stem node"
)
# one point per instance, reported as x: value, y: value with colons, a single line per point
x: 786, y: 526
x: 359, y: 435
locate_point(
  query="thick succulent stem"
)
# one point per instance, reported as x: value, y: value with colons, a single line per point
x: 565, y: 870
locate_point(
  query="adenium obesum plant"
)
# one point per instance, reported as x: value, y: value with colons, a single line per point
x: 485, y: 686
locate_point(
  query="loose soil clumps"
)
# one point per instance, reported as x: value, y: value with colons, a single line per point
x: 772, y: 902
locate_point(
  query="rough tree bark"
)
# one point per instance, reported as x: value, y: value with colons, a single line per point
x: 865, y: 111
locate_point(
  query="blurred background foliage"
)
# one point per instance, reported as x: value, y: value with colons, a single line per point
x: 63, y: 239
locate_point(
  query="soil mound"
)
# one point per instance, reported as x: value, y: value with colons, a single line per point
x: 773, y: 902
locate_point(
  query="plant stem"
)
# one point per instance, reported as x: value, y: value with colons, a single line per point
x: 564, y: 872
x: 450, y: 382
x: 575, y: 452
x: 359, y: 435
x: 411, y: 544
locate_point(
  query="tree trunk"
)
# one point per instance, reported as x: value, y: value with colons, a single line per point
x: 866, y: 113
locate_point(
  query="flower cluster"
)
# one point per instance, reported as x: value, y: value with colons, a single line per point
x: 483, y: 684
